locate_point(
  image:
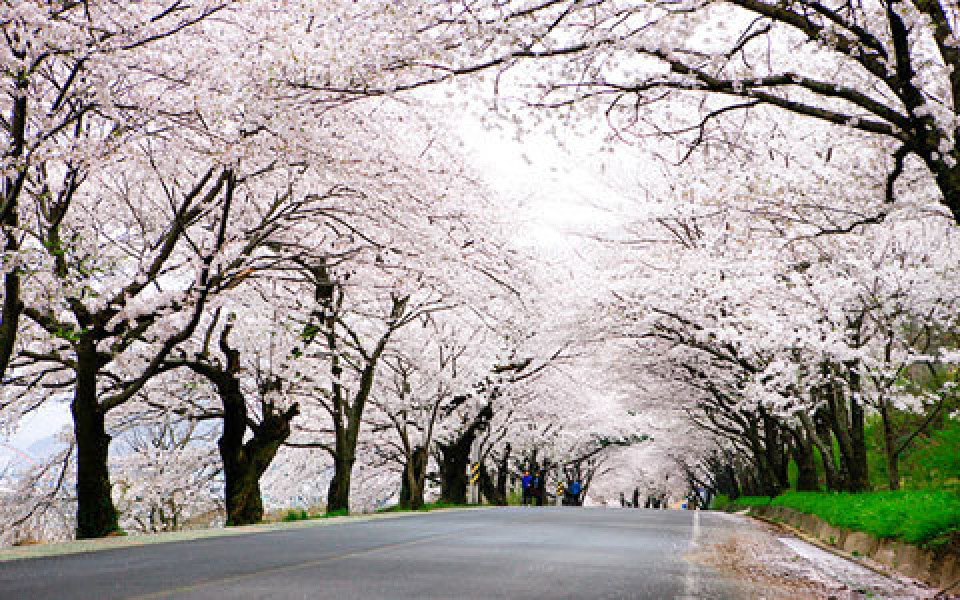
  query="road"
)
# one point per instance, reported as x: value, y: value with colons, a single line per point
x: 520, y: 552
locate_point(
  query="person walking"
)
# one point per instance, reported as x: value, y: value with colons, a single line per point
x: 575, y: 488
x: 526, y: 482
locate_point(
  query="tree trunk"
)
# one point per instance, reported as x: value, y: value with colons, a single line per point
x: 503, y: 472
x: 338, y: 495
x: 453, y: 470
x: 766, y: 474
x: 414, y: 477
x: 12, y: 188
x: 889, y: 446
x: 245, y: 463
x: 96, y: 514
x: 859, y: 470
x: 819, y: 434
x: 846, y: 420
x: 455, y: 456
x: 776, y: 451
x: 803, y: 455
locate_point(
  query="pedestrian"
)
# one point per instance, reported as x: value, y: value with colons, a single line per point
x: 575, y: 488
x: 536, y: 491
x: 526, y: 482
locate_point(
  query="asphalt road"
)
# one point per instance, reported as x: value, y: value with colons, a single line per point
x: 547, y: 552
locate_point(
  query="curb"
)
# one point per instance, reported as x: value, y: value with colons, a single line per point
x: 803, y: 535
x: 885, y: 557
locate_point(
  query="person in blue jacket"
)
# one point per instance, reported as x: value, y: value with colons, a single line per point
x: 527, y: 483
x: 575, y: 488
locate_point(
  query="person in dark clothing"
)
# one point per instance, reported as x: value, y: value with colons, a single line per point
x: 527, y: 483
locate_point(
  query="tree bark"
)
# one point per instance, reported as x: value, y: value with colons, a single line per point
x: 803, y: 456
x: 96, y: 514
x: 245, y: 463
x: 819, y: 434
x: 414, y: 478
x: 890, y: 446
x: 338, y: 495
x: 455, y: 456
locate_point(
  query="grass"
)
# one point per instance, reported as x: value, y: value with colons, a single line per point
x: 426, y: 507
x: 302, y: 515
x: 747, y: 501
x: 922, y: 517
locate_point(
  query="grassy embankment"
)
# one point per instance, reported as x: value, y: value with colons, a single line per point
x: 923, y: 517
x: 925, y: 512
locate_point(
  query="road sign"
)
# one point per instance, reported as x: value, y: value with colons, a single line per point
x: 474, y: 472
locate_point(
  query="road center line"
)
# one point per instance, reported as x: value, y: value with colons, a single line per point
x: 289, y: 568
x: 692, y: 576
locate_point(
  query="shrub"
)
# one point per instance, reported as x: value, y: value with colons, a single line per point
x: 296, y: 515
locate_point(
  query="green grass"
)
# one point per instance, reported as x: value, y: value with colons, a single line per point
x: 746, y: 501
x: 426, y: 507
x: 295, y: 515
x: 914, y: 516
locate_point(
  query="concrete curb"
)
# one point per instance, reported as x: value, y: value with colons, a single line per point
x: 110, y: 543
x: 938, y: 569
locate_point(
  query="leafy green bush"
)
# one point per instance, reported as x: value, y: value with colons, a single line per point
x: 296, y: 515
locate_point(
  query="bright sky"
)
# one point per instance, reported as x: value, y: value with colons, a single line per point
x: 560, y: 191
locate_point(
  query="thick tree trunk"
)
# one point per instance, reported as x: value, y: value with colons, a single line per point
x: 948, y: 180
x: 96, y: 514
x: 244, y: 501
x: 803, y: 455
x: 455, y: 456
x: 414, y: 477
x: 245, y: 463
x: 453, y: 470
x: 777, y: 452
x: 338, y: 495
